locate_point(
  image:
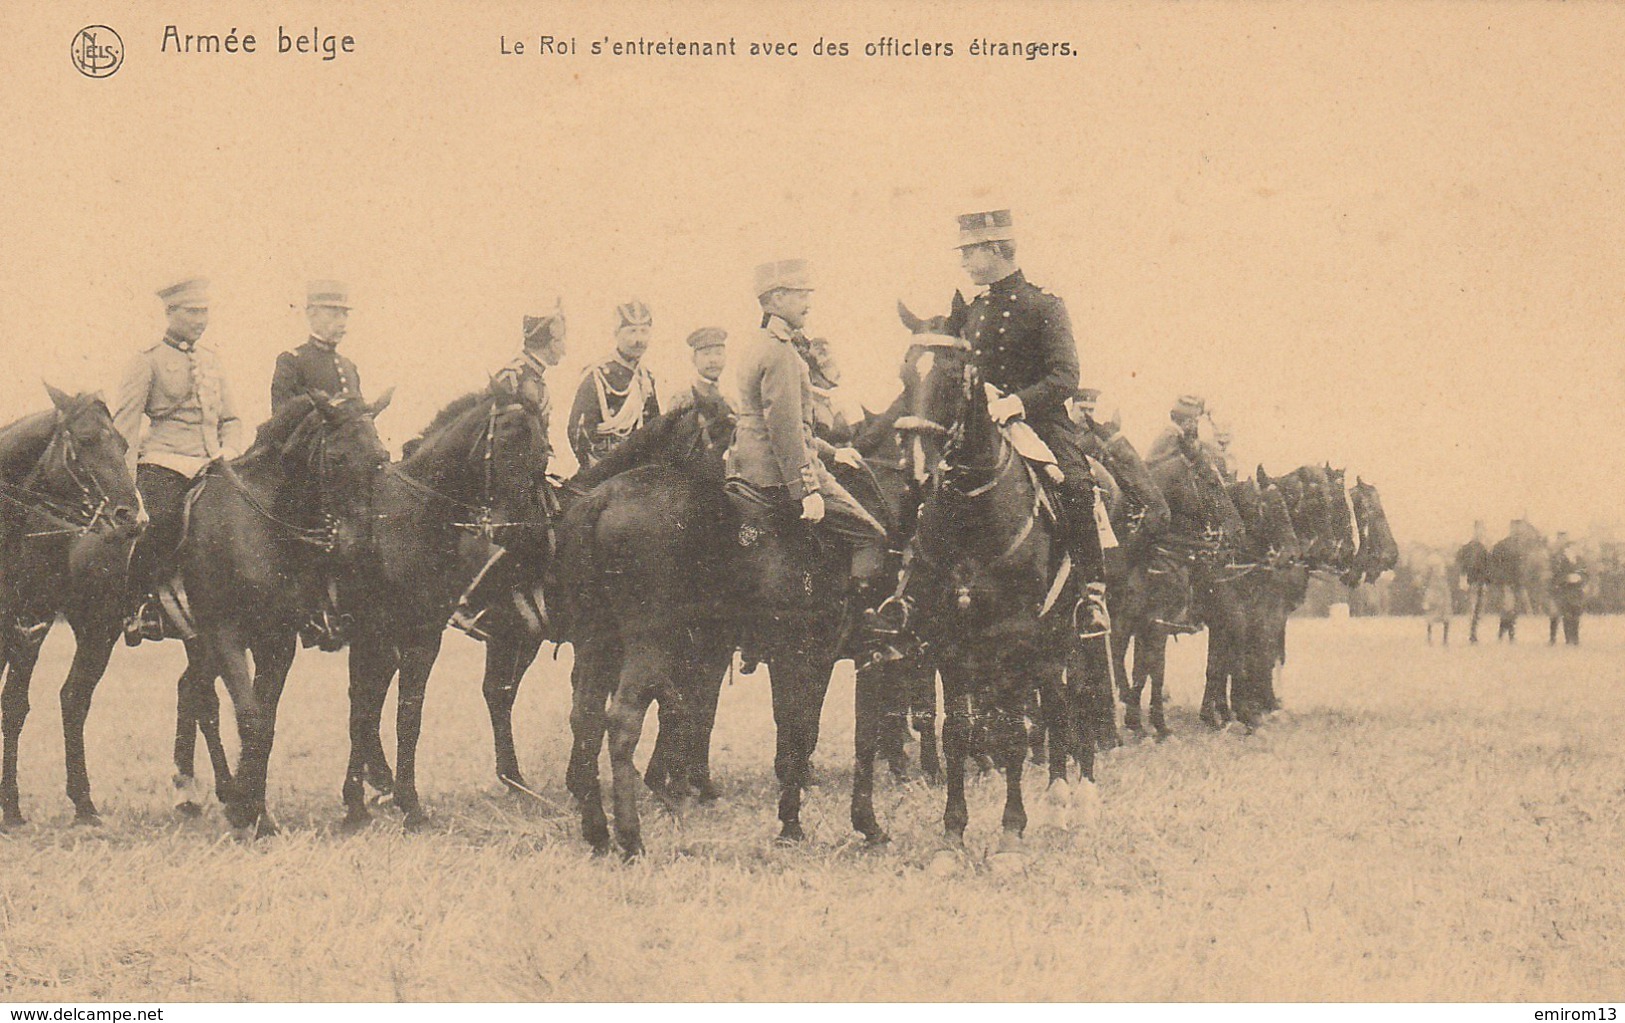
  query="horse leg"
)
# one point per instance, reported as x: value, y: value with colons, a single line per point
x: 207, y: 715
x: 645, y: 670
x: 1007, y: 737
x: 710, y: 661
x: 1035, y: 719
x: 1134, y: 685
x: 799, y: 684
x: 956, y: 728
x: 1059, y: 722
x: 13, y: 712
x: 1157, y: 656
x: 922, y: 681
x: 591, y: 680
x: 228, y: 651
x: 274, y: 650
x: 417, y: 657
x: 870, y: 700
x: 1099, y: 698
x: 92, y: 648
x: 887, y: 681
x: 371, y: 668
x: 506, y: 659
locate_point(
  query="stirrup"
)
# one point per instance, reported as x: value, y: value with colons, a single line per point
x: 147, y: 623
x: 890, y: 617
x: 466, y: 619
x: 1090, y: 619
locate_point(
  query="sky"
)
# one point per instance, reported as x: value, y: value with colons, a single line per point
x: 1380, y: 235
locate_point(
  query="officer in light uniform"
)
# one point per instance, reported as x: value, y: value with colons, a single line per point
x: 1184, y: 435
x: 617, y: 396
x: 773, y: 445
x: 178, y: 387
x: 317, y: 364
x: 1022, y: 344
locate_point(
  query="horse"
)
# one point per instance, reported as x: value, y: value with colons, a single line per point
x: 1242, y: 645
x: 477, y: 468
x: 689, y: 442
x: 265, y: 533
x: 990, y: 605
x: 1182, y: 569
x: 66, y: 493
x: 643, y: 580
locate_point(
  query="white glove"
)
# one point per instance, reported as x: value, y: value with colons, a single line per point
x: 849, y: 456
x: 812, y: 507
x: 1006, y: 408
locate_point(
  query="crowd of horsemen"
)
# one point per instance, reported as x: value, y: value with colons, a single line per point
x: 792, y: 434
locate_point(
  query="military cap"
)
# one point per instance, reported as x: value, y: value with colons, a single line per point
x: 980, y: 228
x: 192, y: 293
x: 328, y: 293
x: 633, y: 313
x: 791, y: 274
x: 707, y: 337
x: 541, y: 328
x: 1190, y: 406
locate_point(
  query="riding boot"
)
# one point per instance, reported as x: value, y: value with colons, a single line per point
x: 146, y: 623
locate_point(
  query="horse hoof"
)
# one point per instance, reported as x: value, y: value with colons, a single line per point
x: 876, y: 839
x: 189, y: 809
x: 944, y: 863
x: 791, y: 834
x: 707, y: 792
x: 1086, y: 802
x: 87, y: 819
x: 415, y: 823
x: 355, y: 821
x: 632, y: 850
x: 600, y: 849
x: 11, y: 821
x: 266, y: 826
x: 1058, y: 801
x: 187, y: 790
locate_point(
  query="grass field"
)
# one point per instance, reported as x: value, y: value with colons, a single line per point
x: 1423, y: 824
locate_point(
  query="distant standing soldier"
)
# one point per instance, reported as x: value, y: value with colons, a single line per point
x: 1506, y: 578
x: 180, y: 389
x: 317, y: 365
x: 616, y: 396
x: 1568, y: 593
x: 709, y: 350
x: 1436, y: 596
x: 1473, y: 575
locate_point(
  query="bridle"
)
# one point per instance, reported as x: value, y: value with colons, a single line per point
x: 483, y: 521
x: 91, y: 514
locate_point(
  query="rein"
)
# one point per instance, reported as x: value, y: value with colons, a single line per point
x: 484, y: 523
x: 91, y: 514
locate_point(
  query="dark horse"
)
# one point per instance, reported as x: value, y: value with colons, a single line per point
x: 1260, y: 584
x: 69, y: 512
x: 1185, y: 566
x: 264, y: 534
x: 643, y: 584
x: 688, y: 443
x: 984, y: 565
x: 478, y: 468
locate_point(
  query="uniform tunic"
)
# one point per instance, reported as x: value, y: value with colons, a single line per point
x: 699, y: 390
x: 315, y: 365
x: 526, y: 378
x: 600, y: 418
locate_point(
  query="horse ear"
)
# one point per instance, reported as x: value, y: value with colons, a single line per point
x: 381, y: 404
x: 914, y: 324
x: 958, y: 313
x: 60, y: 399
x: 1262, y: 476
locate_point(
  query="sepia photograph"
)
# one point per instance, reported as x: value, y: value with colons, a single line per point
x: 723, y: 502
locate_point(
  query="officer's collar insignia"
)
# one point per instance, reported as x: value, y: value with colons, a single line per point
x: 749, y: 534
x: 179, y: 344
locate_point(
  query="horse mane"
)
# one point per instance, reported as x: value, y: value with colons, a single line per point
x: 275, y: 432
x: 644, y: 444
x: 442, y: 419
x: 23, y: 442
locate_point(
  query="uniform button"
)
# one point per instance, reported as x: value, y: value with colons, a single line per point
x: 1007, y: 314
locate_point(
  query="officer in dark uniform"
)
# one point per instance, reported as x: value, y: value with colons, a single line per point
x: 1021, y: 341
x: 526, y: 379
x: 317, y: 365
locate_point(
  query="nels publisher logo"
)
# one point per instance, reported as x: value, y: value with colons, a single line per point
x: 97, y: 51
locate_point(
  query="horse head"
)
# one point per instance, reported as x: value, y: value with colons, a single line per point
x: 334, y: 459
x: 85, y: 465
x: 937, y: 390
x: 1378, y: 551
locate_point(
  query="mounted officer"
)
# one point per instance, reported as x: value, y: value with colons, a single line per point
x: 317, y: 364
x: 525, y: 377
x: 773, y: 447
x: 179, y: 387
x: 317, y: 367
x: 1022, y: 344
x: 1184, y: 435
x: 708, y: 347
x: 616, y: 396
